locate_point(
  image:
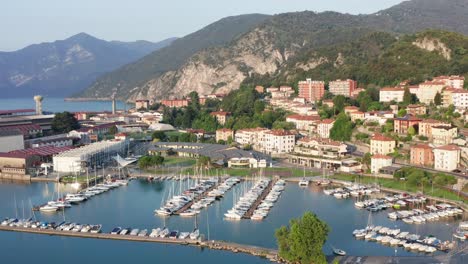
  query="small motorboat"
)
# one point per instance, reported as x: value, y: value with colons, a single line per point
x: 339, y: 252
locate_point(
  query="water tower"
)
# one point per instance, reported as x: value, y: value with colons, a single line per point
x: 38, y: 99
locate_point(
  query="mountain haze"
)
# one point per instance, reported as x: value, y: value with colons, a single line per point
x: 267, y: 46
x: 63, y: 67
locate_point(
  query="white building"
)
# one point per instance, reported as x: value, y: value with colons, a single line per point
x: 277, y: 142
x: 303, y: 122
x: 73, y: 161
x: 250, y: 136
x: 379, y: 161
x: 324, y: 127
x: 389, y: 94
x: 11, y: 140
x: 453, y: 81
x: 428, y: 90
x: 446, y: 158
x: 460, y: 99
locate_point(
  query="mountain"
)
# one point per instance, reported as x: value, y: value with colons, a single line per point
x: 267, y: 47
x: 64, y: 67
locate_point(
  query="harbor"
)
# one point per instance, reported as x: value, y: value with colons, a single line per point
x: 129, y: 206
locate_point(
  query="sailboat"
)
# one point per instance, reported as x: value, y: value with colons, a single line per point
x: 304, y: 182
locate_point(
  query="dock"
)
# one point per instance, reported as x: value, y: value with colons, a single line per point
x: 270, y: 254
x: 196, y: 199
x: 260, y: 199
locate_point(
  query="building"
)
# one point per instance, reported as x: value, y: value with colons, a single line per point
x: 454, y: 81
x: 425, y: 127
x: 143, y: 103
x: 282, y: 92
x: 446, y: 158
x: 416, y: 110
x: 260, y: 89
x: 460, y: 99
x: 389, y: 94
x: 311, y: 90
x: 380, y: 144
x: 328, y: 103
x: 76, y: 160
x: 53, y: 141
x: 379, y: 161
x: 380, y: 117
x: 422, y: 155
x: 358, y: 115
x: 175, y: 103
x: 224, y: 134
x: 428, y: 90
x: 250, y: 136
x: 444, y: 135
x: 28, y: 131
x: 303, y: 122
x: 401, y: 125
x: 11, y: 140
x: 17, y: 166
x: 121, y: 136
x: 221, y: 116
x: 343, y: 87
x: 324, y: 127
x: 320, y: 147
x: 276, y: 142
x: 349, y: 109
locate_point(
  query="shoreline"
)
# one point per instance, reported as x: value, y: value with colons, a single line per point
x: 85, y: 99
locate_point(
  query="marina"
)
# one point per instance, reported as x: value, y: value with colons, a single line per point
x: 130, y: 208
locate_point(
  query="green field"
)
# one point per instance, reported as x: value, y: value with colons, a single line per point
x: 402, y: 186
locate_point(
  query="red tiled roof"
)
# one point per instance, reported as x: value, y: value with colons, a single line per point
x: 448, y: 148
x: 421, y: 146
x: 24, y: 129
x: 327, y: 121
x: 392, y: 89
x: 380, y: 137
x: 380, y: 156
x: 280, y: 132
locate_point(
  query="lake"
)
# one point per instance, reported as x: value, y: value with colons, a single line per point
x: 133, y: 206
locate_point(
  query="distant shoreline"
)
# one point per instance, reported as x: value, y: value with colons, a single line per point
x: 70, y: 99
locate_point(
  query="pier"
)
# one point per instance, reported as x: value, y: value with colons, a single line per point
x: 196, y: 199
x: 260, y: 198
x: 270, y: 254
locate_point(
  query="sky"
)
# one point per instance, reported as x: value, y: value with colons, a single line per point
x: 26, y: 22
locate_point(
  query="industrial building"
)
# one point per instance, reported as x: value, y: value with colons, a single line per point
x: 11, y: 140
x: 95, y: 154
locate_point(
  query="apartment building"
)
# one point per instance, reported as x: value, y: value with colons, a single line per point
x: 380, y: 144
x: 324, y: 127
x: 303, y: 122
x: 343, y: 87
x: 428, y: 90
x: 224, y: 134
x: 425, y: 126
x: 416, y: 109
x: 389, y: 94
x: 444, y: 135
x: 379, y: 161
x: 402, y: 124
x: 446, y: 158
x: 422, y: 155
x: 311, y: 90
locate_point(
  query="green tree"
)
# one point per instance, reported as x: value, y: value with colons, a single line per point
x: 437, y: 99
x: 204, y: 161
x: 366, y: 160
x: 194, y: 100
x: 64, y: 122
x: 407, y: 97
x: 339, y: 103
x: 283, y: 125
x: 302, y: 241
x: 342, y: 128
x: 157, y: 160
x: 402, y: 112
x: 411, y: 131
x: 144, y: 162
x: 113, y: 130
x: 159, y: 136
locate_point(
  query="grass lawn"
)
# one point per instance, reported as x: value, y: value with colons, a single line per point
x: 178, y: 161
x: 402, y: 186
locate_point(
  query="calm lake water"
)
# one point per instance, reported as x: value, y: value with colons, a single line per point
x: 59, y: 105
x: 133, y: 205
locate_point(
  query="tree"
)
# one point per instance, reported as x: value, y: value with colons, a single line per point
x: 437, y: 99
x: 159, y: 136
x: 194, y: 100
x: 157, y: 160
x: 113, y: 130
x: 366, y: 160
x: 342, y: 128
x: 411, y: 131
x: 339, y: 103
x: 283, y: 125
x: 407, y: 97
x: 303, y: 239
x: 204, y: 161
x: 64, y: 122
x: 402, y: 112
x: 144, y: 162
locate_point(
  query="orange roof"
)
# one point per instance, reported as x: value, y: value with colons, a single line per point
x: 225, y: 130
x: 221, y: 113
x: 414, y: 106
x: 380, y: 156
x: 448, y: 148
x: 392, y: 89
x: 280, y: 132
x: 328, y: 121
x: 380, y: 137
x: 421, y: 146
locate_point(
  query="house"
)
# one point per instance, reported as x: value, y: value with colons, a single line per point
x: 460, y: 99
x: 303, y: 122
x: 416, y: 109
x: 343, y: 87
x: 121, y: 136
x: 425, y: 127
x: 349, y: 109
x: 422, y: 155
x: 249, y: 136
x: 427, y: 91
x: 380, y: 144
x: 175, y: 103
x: 454, y: 81
x: 401, y: 125
x: 379, y: 161
x: 324, y: 127
x: 444, y: 135
x: 389, y: 94
x: 328, y: 103
x: 446, y: 158
x: 357, y: 115
x: 142, y: 103
x: 221, y: 116
x: 224, y: 134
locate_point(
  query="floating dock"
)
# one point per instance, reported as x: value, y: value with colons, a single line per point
x: 198, y: 198
x: 260, y: 199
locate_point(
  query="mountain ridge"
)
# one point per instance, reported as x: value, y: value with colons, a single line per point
x: 62, y: 67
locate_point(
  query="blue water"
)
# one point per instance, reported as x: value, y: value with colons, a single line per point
x: 133, y: 205
x: 59, y: 105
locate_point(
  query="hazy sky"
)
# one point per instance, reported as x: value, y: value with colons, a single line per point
x: 25, y: 22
